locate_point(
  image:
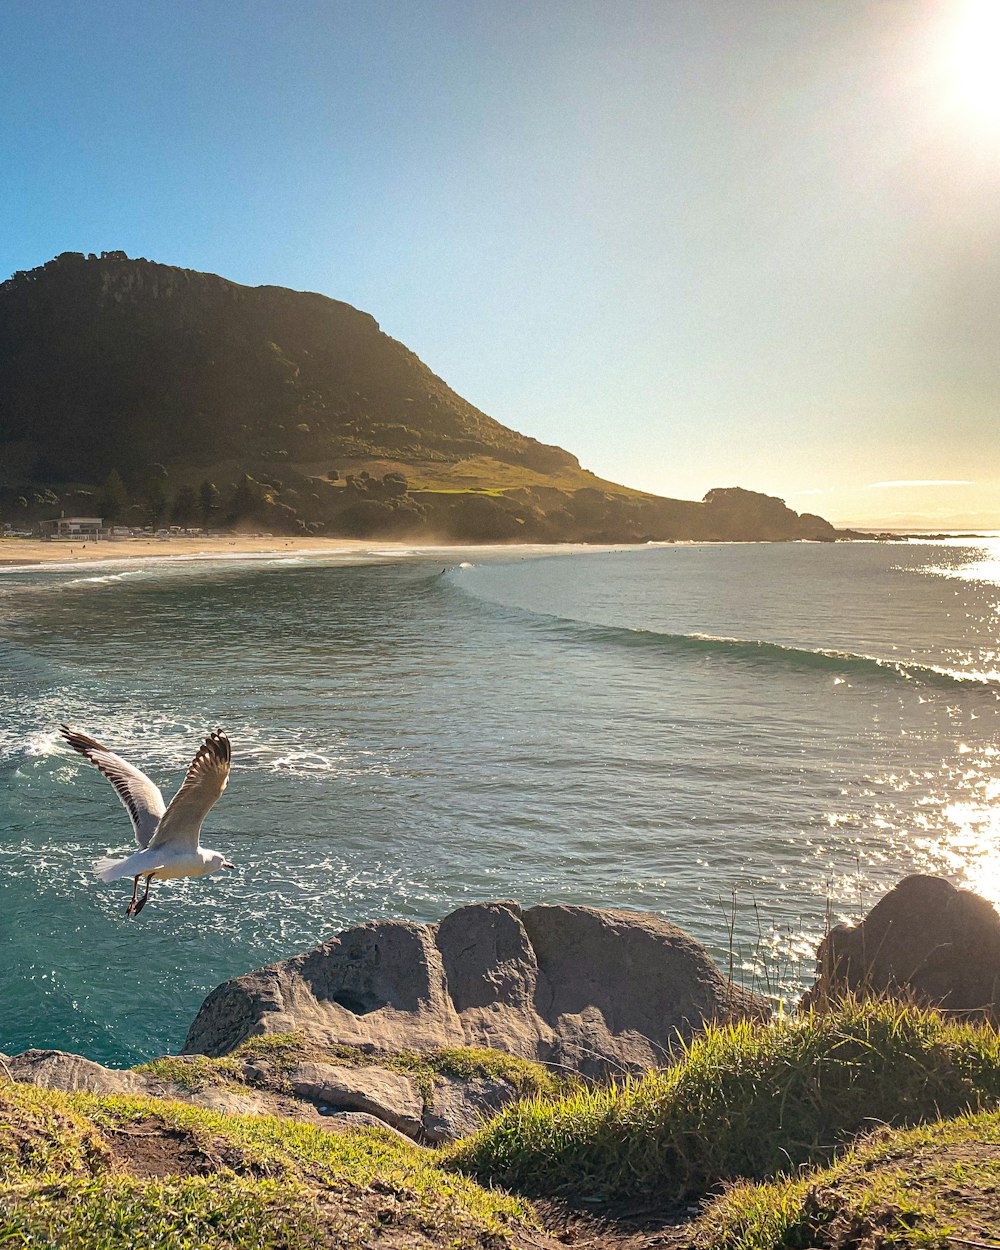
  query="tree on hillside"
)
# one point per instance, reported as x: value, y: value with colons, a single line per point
x: 185, y: 509
x: 244, y: 501
x: 154, y: 503
x: 113, y: 500
x: 209, y: 502
x: 394, y: 485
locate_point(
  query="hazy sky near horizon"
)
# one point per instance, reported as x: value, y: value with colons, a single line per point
x: 697, y: 242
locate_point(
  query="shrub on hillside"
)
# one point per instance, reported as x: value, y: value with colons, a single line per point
x: 483, y: 519
x: 371, y: 518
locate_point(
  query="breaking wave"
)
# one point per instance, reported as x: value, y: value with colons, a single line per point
x: 758, y: 652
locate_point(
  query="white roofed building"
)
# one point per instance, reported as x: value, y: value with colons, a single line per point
x: 84, y: 528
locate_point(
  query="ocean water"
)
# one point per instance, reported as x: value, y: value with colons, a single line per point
x: 751, y: 740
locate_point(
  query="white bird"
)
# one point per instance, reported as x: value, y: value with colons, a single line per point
x: 167, y: 835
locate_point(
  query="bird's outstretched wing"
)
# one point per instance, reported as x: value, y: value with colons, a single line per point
x: 206, y: 779
x: 140, y: 796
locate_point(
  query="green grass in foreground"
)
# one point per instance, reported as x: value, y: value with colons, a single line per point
x: 900, y: 1189
x: 744, y: 1100
x: 187, y: 1213
x: 87, y: 1172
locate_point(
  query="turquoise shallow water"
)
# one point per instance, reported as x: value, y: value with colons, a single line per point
x: 659, y: 728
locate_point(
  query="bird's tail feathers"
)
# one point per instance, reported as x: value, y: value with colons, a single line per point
x: 110, y: 869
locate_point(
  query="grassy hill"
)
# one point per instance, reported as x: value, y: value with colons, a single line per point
x: 297, y: 410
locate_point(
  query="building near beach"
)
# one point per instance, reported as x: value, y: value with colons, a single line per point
x: 83, y: 528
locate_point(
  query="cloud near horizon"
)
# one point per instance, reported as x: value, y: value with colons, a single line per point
x: 922, y: 482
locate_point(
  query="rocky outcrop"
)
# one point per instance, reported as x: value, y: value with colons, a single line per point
x: 594, y: 992
x: 55, y: 1069
x: 926, y: 941
x: 733, y: 514
x: 599, y: 992
x: 331, y: 1095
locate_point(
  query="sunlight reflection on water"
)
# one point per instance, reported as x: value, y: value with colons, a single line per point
x: 973, y: 560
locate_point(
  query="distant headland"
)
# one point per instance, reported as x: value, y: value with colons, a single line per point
x: 151, y: 396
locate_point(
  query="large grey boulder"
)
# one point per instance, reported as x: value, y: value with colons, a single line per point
x: 595, y: 991
x: 926, y: 941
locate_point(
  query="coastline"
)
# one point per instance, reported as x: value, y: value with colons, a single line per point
x: 26, y: 553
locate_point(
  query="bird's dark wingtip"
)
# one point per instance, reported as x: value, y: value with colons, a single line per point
x: 80, y: 741
x: 217, y: 745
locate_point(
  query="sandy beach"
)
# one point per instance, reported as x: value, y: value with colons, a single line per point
x: 28, y: 551
x: 25, y: 552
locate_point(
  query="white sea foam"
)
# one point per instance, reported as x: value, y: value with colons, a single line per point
x: 107, y: 579
x: 164, y: 744
x: 42, y: 742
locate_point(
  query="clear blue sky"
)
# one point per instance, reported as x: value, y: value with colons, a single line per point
x: 697, y: 242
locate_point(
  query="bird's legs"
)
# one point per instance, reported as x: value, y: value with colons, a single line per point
x: 135, y: 907
x: 135, y: 889
x: 142, y: 902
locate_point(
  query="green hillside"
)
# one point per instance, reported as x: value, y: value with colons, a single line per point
x: 297, y: 410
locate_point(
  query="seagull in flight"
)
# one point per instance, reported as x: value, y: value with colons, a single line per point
x: 167, y: 834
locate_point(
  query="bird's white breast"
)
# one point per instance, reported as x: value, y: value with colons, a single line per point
x: 182, y: 864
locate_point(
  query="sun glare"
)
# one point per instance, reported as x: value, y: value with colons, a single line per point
x: 976, y: 57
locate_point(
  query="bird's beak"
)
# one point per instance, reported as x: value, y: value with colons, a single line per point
x: 227, y: 864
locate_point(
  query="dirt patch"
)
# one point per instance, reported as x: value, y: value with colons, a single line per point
x: 150, y: 1148
x: 148, y: 1151
x: 614, y: 1226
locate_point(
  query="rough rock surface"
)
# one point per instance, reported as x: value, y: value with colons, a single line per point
x: 389, y: 1096
x: 55, y: 1069
x: 924, y: 940
x: 332, y: 1096
x: 596, y: 991
x: 461, y: 1107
